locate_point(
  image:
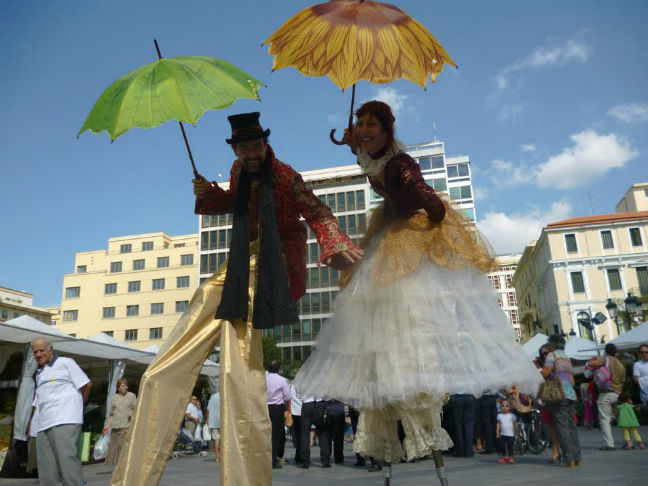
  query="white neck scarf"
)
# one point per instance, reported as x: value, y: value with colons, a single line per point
x: 372, y: 167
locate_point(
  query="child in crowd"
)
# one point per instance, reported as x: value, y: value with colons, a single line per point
x: 505, y: 431
x: 627, y: 420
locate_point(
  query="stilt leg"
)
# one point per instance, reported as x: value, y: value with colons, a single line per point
x: 440, y: 467
x: 387, y: 473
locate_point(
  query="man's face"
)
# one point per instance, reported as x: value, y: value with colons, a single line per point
x: 251, y: 154
x: 194, y: 400
x: 43, y: 352
x: 644, y: 352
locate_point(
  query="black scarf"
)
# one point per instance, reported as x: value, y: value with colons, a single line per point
x: 273, y: 303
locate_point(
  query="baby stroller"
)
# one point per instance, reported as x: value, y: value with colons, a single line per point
x: 189, y: 441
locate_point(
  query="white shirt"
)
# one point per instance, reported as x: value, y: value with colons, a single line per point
x: 640, y: 370
x: 213, y: 406
x: 58, y: 397
x: 506, y: 421
x: 295, y: 401
x: 193, y: 411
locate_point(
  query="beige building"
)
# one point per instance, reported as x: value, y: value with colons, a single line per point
x: 16, y: 303
x: 575, y: 268
x: 636, y: 199
x: 135, y: 291
x: 502, y: 282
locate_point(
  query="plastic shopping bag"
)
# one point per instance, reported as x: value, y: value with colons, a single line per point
x: 101, y: 446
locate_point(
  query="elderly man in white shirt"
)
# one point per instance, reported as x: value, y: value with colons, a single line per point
x: 61, y: 389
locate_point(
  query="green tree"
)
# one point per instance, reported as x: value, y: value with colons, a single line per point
x: 270, y: 351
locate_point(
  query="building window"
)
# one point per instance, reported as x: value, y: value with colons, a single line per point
x: 130, y: 335
x: 157, y: 308
x: 642, y: 278
x: 182, y: 282
x: 110, y: 288
x: 463, y: 192
x: 163, y: 262
x: 635, y: 237
x: 570, y: 241
x: 115, y: 267
x: 186, y: 259
x: 606, y: 239
x: 470, y: 213
x: 578, y: 285
x: 108, y: 333
x: 614, y: 279
x: 138, y: 264
x: 158, y: 284
x: 5, y: 314
x: 181, y: 305
x: 82, y: 268
x: 510, y: 296
x: 127, y: 248
x: 132, y: 310
x: 147, y: 245
x: 70, y: 315
x: 134, y: 286
x: 179, y: 245
x: 155, y: 333
x: 108, y: 312
x: 72, y: 292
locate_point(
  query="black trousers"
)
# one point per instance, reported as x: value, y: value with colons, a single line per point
x: 462, y: 413
x: 278, y: 421
x: 296, y: 437
x: 308, y: 419
x: 488, y: 415
x: 336, y: 427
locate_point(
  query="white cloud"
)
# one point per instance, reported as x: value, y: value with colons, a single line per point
x: 392, y: 97
x: 511, y: 112
x: 528, y: 147
x: 507, y: 174
x: 333, y: 118
x: 509, y: 233
x: 557, y: 55
x: 479, y: 193
x: 591, y: 156
x: 630, y: 112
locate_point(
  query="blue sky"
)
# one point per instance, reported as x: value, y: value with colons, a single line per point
x: 550, y: 102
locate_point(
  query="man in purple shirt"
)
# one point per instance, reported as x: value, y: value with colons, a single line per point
x: 278, y: 396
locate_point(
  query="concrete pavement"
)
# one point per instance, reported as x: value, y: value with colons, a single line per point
x: 599, y: 468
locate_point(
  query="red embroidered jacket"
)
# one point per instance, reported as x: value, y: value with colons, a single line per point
x: 292, y: 199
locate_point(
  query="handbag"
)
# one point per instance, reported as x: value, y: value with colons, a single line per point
x: 552, y: 391
x: 603, y: 376
x: 289, y: 418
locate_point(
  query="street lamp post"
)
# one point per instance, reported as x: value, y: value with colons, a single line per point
x: 633, y: 306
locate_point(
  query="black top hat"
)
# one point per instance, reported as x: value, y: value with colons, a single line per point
x: 246, y: 126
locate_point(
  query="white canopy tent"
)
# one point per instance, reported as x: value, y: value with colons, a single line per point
x: 16, y: 335
x: 633, y: 338
x: 580, y: 349
x: 532, y: 345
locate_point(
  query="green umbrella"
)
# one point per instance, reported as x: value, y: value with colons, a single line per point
x: 180, y: 88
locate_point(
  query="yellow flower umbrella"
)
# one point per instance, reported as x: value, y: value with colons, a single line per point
x: 352, y: 40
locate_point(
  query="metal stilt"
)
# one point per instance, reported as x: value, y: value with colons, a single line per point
x: 440, y: 467
x: 387, y: 473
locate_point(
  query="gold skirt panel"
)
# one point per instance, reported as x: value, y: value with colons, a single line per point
x: 167, y: 384
x: 455, y: 243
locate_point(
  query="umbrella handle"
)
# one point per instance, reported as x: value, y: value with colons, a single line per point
x: 332, y: 137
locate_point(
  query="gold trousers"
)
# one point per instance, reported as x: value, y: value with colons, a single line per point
x: 167, y: 384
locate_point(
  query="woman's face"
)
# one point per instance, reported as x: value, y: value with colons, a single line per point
x: 122, y: 388
x: 370, y: 134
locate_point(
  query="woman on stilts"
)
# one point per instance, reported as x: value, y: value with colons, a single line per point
x: 417, y: 318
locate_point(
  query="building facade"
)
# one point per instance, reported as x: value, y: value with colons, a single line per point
x: 635, y: 199
x: 16, y: 303
x: 576, y: 267
x: 502, y: 281
x: 346, y: 190
x: 134, y: 291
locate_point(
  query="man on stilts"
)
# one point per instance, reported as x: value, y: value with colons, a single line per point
x: 265, y: 275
